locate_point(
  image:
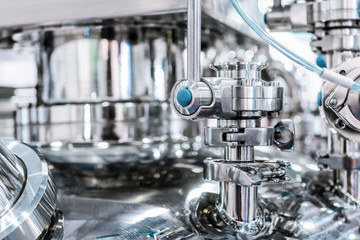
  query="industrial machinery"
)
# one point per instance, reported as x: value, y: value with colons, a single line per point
x: 172, y: 120
x: 28, y: 195
x: 238, y: 98
x: 334, y: 25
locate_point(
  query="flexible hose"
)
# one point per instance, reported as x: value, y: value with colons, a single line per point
x: 322, y: 72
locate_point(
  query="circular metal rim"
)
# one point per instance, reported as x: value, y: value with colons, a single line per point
x: 13, y: 180
x: 326, y: 89
x: 31, y: 214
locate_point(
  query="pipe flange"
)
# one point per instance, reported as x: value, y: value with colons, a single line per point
x: 238, y: 70
x: 248, y: 228
x: 340, y: 106
x: 32, y: 215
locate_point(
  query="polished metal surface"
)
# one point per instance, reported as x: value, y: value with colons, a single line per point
x: 284, y: 135
x: 335, y: 28
x: 128, y: 168
x: 12, y: 179
x: 301, y: 209
x: 36, y: 13
x: 311, y: 15
x: 110, y: 95
x: 33, y: 213
x: 238, y: 70
x: 90, y: 123
x: 239, y: 99
x: 334, y: 23
x: 240, y: 203
x: 245, y: 95
x: 193, y: 39
x: 116, y: 62
x: 223, y: 137
x: 340, y: 106
x: 244, y: 173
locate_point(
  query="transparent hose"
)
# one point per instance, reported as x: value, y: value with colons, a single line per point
x: 323, y: 72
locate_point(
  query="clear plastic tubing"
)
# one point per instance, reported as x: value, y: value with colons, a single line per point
x: 322, y: 72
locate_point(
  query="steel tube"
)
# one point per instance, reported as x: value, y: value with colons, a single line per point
x: 239, y: 202
x: 193, y: 39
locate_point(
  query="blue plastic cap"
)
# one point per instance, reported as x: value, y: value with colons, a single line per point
x: 320, y: 61
x: 184, y: 97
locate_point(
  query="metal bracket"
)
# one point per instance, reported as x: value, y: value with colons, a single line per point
x: 247, y: 174
x: 221, y: 137
x: 284, y: 135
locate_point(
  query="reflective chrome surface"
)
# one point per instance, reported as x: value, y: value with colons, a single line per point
x: 340, y: 107
x: 335, y: 28
x: 33, y: 213
x: 112, y: 63
x: 301, y: 208
x: 128, y: 168
x: 12, y: 179
x: 85, y: 11
x: 111, y: 94
x: 113, y: 122
x: 239, y: 98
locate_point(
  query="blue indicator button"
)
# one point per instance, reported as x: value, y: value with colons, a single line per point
x: 320, y: 61
x: 184, y: 97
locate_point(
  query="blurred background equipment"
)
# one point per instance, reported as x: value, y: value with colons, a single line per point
x: 164, y: 119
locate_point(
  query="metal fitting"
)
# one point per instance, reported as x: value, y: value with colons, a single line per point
x: 31, y: 212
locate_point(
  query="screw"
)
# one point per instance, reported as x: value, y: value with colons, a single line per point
x: 333, y: 102
x: 342, y: 72
x: 340, y: 124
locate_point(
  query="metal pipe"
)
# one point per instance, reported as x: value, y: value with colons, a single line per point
x: 350, y: 182
x: 193, y: 39
x: 348, y: 179
x: 240, y: 153
x: 239, y: 202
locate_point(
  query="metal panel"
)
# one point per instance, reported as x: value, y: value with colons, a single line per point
x: 19, y: 12
x: 42, y: 12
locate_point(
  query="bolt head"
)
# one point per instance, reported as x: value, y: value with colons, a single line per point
x: 333, y: 102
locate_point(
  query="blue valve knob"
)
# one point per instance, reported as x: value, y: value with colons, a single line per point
x: 184, y: 97
x: 320, y: 61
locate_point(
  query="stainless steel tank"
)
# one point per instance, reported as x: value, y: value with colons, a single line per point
x: 102, y: 97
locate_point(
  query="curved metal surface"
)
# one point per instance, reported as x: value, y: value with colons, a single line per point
x: 106, y: 60
x: 302, y: 208
x: 111, y: 92
x: 12, y: 179
x: 112, y: 122
x: 30, y: 216
x: 339, y: 106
